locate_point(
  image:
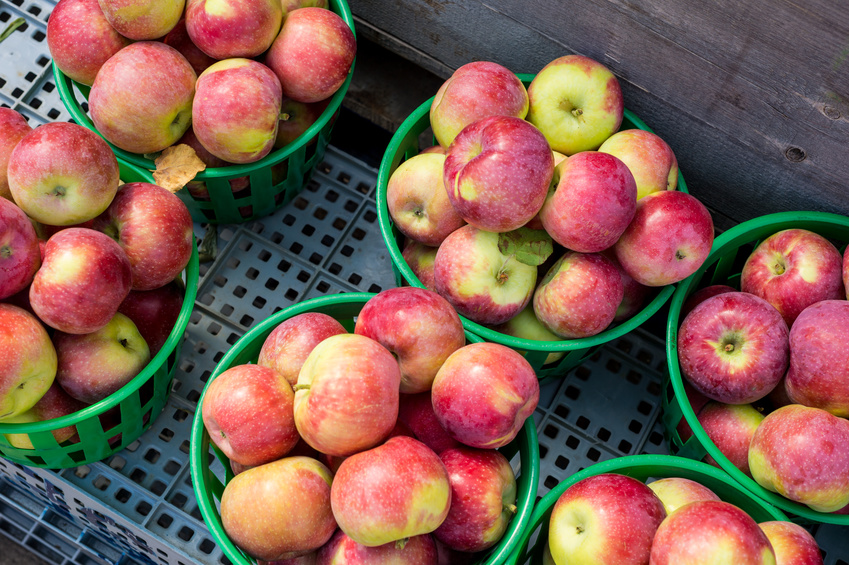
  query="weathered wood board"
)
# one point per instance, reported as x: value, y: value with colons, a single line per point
x: 753, y: 96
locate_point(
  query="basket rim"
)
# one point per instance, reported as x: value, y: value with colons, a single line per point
x: 199, y: 442
x: 386, y: 229
x: 727, y: 240
x: 66, y: 88
x: 192, y: 271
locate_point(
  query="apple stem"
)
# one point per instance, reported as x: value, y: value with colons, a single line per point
x: 729, y: 347
x: 779, y: 269
x: 512, y: 508
x: 284, y: 117
x: 502, y: 275
x: 401, y: 543
x: 5, y: 252
x: 577, y: 112
x: 299, y: 386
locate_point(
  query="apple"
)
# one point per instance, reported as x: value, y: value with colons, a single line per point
x: 648, y: 157
x: 155, y: 312
x: 416, y: 412
x: 819, y: 360
x: 526, y: 325
x: 846, y: 271
x: 793, y: 269
x: 295, y: 521
x: 179, y: 39
x: 142, y: 19
x: 198, y: 189
x: 296, y: 118
x: 733, y: 347
x: 730, y: 427
x: 576, y: 103
x: 474, y: 91
x: 482, y: 283
x: 710, y: 531
x: 419, y: 328
x: 141, y: 99
x: 668, y: 239
x: 592, y: 201
x: 84, y: 277
x: 634, y: 294
x: 228, y: 29
x: 606, y: 519
x: 579, y: 296
x: 28, y: 365
x: 312, y: 54
x: 237, y: 128
x: 346, y: 397
x: 13, y: 127
x: 483, y: 498
x: 483, y: 394
x: 800, y: 453
x: 308, y: 559
x: 292, y: 340
x: 418, y: 202
x: 342, y: 550
x: 248, y: 413
x: 497, y: 171
x: 675, y: 492
x: 392, y: 492
x: 696, y: 400
x: 701, y: 295
x: 94, y: 365
x: 792, y: 544
x: 20, y: 256
x: 54, y: 404
x: 81, y: 39
x: 62, y: 174
x: 420, y: 258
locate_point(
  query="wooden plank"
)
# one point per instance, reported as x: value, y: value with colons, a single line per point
x: 752, y: 96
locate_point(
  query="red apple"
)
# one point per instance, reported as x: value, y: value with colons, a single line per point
x: 792, y: 544
x: 733, y: 347
x: 801, y: 453
x: 648, y: 157
x: 248, y: 413
x: 395, y: 491
x: 141, y: 98
x: 416, y: 412
x: 592, y: 201
x: 819, y: 360
x: 142, y: 19
x: 342, y: 550
x: 28, y: 363
x: 701, y: 295
x: 846, y: 271
x: 13, y: 127
x: 227, y: 29
x: 296, y: 118
x: 634, y: 294
x: 237, y: 128
x: 312, y: 54
x: 81, y: 39
x: 179, y: 39
x: 419, y: 327
x: 497, y: 171
x: 675, y: 492
x: 482, y: 283
x: 62, y: 174
x: 706, y: 532
x: 295, y: 520
x: 668, y: 239
x: 579, y: 295
x: 83, y: 279
x: 696, y: 400
x: 290, y: 343
x: 94, y: 365
x: 20, y: 256
x: 483, y: 498
x: 308, y: 559
x: 576, y: 103
x: 418, y: 202
x: 606, y: 519
x: 155, y: 312
x: 474, y: 91
x: 54, y: 404
x: 793, y: 269
x: 346, y: 398
x: 730, y: 427
x: 483, y: 394
x: 420, y: 258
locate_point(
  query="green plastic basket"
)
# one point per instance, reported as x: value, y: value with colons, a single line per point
x: 275, y: 180
x: 405, y: 144
x: 344, y: 307
x: 136, y: 405
x: 641, y: 467
x: 723, y: 266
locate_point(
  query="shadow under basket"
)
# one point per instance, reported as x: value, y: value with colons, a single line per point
x: 118, y: 420
x: 237, y: 193
x: 209, y: 485
x: 723, y: 266
x: 572, y: 352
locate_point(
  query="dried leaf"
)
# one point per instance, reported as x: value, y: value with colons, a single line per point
x: 176, y: 166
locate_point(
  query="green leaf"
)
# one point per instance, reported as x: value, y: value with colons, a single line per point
x: 531, y: 247
x: 16, y: 23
